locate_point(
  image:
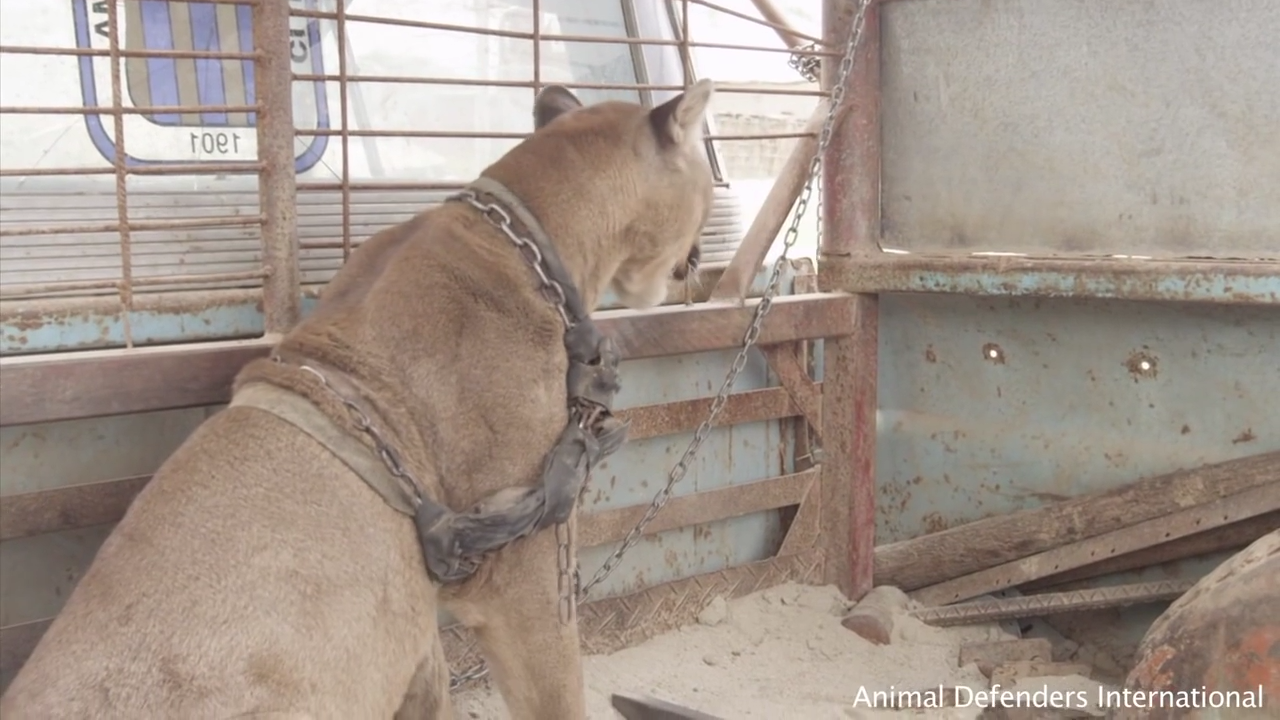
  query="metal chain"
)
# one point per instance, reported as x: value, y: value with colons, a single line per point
x: 805, y: 63
x: 390, y: 458
x: 501, y: 219
x: 566, y: 563
x: 681, y: 468
x: 753, y: 331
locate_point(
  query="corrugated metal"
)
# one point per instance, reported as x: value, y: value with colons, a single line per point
x: 96, y: 256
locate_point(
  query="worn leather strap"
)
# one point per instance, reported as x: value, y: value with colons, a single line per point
x: 302, y: 414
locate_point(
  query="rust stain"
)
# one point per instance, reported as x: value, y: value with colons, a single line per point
x: 1141, y: 364
x: 1250, y: 665
x: 993, y: 353
x: 934, y: 522
x: 1151, y: 674
x: 1244, y: 437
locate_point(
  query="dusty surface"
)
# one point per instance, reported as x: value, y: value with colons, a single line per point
x: 779, y: 654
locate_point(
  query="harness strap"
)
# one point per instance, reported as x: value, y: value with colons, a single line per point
x: 302, y: 414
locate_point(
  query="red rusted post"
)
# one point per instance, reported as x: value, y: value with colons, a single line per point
x: 851, y: 218
x: 277, y: 185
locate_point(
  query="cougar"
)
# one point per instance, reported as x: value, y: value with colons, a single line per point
x: 257, y: 575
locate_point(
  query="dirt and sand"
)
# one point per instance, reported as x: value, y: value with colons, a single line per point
x: 780, y: 654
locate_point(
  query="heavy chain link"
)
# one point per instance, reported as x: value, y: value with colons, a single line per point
x: 501, y: 219
x: 749, y: 340
x: 390, y: 458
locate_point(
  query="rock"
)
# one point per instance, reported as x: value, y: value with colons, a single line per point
x: 716, y: 612
x: 872, y: 617
x: 872, y: 624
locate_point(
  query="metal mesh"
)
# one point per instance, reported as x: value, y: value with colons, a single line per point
x: 149, y: 188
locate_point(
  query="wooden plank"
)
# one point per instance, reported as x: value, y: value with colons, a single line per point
x: 735, y: 282
x: 805, y: 528
x: 62, y: 386
x: 67, y: 508
x: 683, y: 329
x: 17, y: 642
x: 683, y: 416
x: 795, y: 379
x: 933, y: 558
x: 609, y: 526
x: 1230, y: 537
x: 1246, y: 504
x: 805, y: 523
x: 79, y: 506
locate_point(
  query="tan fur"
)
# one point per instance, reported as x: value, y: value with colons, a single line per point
x: 256, y: 576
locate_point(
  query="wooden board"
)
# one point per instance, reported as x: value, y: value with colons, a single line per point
x: 934, y: 558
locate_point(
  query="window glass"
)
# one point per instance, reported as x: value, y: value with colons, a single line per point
x: 462, y: 58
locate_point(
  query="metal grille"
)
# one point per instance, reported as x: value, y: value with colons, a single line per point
x: 195, y: 170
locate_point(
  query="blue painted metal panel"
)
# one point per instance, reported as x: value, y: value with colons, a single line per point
x: 1196, y: 284
x: 58, y: 331
x: 989, y: 406
x: 729, y: 456
x: 41, y: 570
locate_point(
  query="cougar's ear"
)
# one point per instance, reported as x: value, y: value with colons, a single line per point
x: 679, y: 120
x: 551, y: 103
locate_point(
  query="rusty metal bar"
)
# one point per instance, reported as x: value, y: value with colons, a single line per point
x: 773, y: 15
x: 122, y: 191
x: 63, y: 386
x: 560, y: 37
x: 686, y: 55
x: 138, y: 226
x: 1029, y: 606
x: 851, y: 216
x: 344, y: 130
x: 68, y: 508
x: 777, y: 27
x: 97, y: 503
x: 1240, y: 506
x: 751, y: 406
x: 174, y: 169
x: 537, y: 46
x: 1223, y: 282
x: 33, y: 289
x: 277, y: 188
x: 132, y: 110
x: 517, y: 35
x: 608, y: 526
x: 468, y: 82
x: 489, y: 135
x: 95, y: 52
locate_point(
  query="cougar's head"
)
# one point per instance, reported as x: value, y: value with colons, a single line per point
x: 657, y: 161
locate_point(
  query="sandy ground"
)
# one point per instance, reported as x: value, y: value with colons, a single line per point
x: 780, y: 654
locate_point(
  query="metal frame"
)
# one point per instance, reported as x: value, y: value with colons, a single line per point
x: 815, y: 497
